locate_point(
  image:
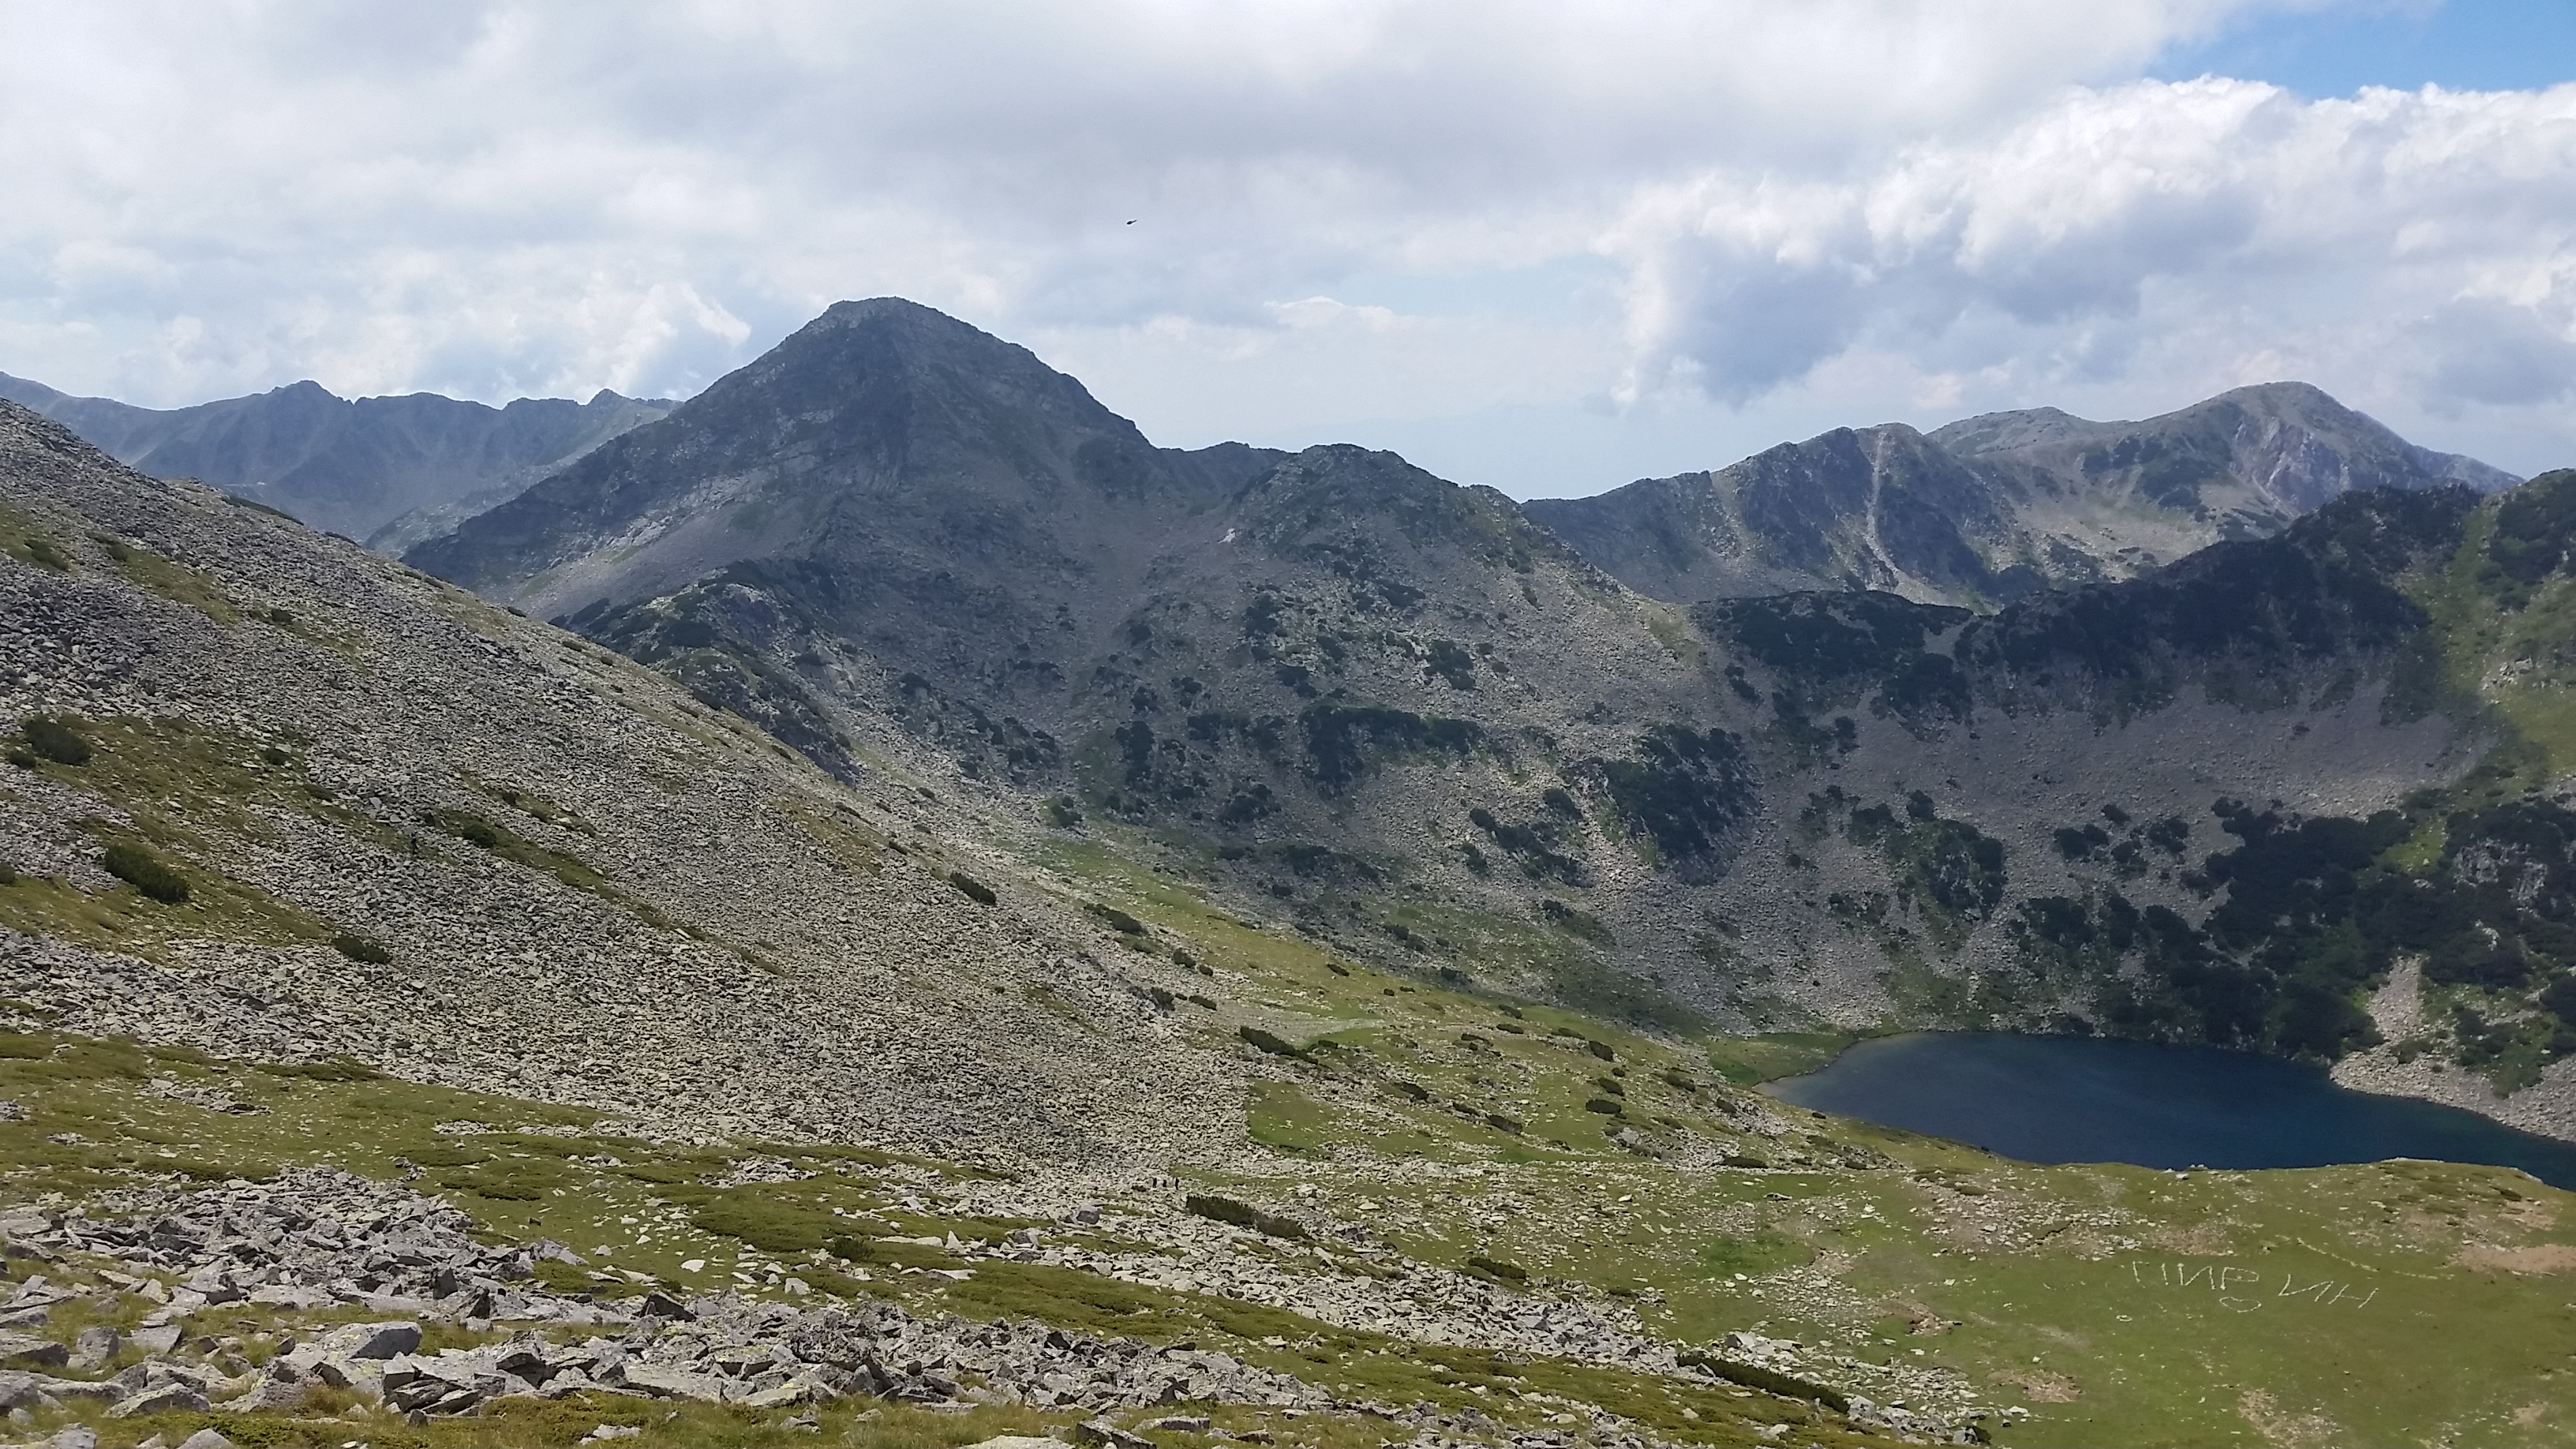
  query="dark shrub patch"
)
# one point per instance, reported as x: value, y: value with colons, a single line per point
x: 1501, y: 1123
x: 1574, y: 922
x: 43, y: 553
x: 1242, y: 1215
x: 51, y: 739
x: 1603, y: 1105
x: 974, y: 890
x: 144, y: 871
x: 1769, y: 1381
x: 1683, y: 789
x: 1497, y: 1268
x: 1450, y: 662
x: 1117, y: 920
x: 361, y: 948
x: 1260, y: 1040
x: 1341, y: 741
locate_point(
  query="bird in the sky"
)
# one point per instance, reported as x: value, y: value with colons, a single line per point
x: 1131, y: 221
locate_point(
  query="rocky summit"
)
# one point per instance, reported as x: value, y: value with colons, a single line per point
x: 884, y: 908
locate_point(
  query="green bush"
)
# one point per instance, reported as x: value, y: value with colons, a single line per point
x: 43, y: 553
x: 144, y: 871
x: 1497, y: 1268
x: 1501, y: 1123
x: 975, y: 890
x: 8, y: 874
x: 1242, y: 1215
x: 51, y: 739
x: 1602, y: 1105
x: 361, y: 948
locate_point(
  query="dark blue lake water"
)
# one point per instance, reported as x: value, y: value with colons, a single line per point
x: 2081, y: 1099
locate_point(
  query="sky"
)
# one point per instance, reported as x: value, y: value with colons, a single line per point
x: 1550, y: 247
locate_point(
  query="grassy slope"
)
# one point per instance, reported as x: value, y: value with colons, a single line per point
x: 2052, y: 1288
x: 2090, y: 1294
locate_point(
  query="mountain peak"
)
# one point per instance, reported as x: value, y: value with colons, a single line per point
x: 1991, y: 507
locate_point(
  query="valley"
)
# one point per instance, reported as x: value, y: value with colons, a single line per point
x: 966, y: 923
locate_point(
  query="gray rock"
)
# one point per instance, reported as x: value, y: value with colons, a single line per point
x: 272, y: 1393
x: 158, y: 1338
x: 25, y: 1350
x: 370, y: 1340
x: 94, y: 1346
x: 78, y: 1436
x: 1101, y: 1434
x: 206, y: 1439
x: 166, y: 1398
x: 673, y: 1383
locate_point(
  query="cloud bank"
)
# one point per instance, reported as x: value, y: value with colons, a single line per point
x: 1695, y: 229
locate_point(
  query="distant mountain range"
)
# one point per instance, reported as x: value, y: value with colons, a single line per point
x: 389, y: 471
x: 1992, y: 508
x: 1980, y: 512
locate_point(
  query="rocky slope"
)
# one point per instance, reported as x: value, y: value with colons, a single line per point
x: 421, y: 1025
x: 1993, y: 508
x: 1433, y: 732
x: 522, y: 833
x: 387, y: 470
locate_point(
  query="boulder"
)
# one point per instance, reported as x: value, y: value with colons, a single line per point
x: 1101, y: 1434
x: 671, y: 1383
x: 94, y: 1346
x: 172, y: 1397
x: 25, y: 1350
x: 371, y: 1340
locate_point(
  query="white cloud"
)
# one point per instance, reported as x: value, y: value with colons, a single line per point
x: 1348, y: 212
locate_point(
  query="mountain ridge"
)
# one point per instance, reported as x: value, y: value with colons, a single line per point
x: 1991, y: 508
x: 394, y: 469
x: 1431, y: 729
x: 1312, y: 1006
